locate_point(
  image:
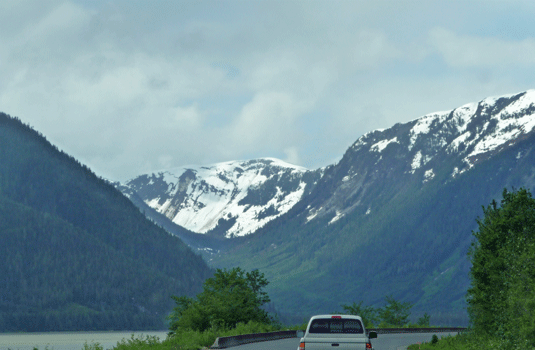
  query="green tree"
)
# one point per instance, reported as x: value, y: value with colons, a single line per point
x: 424, y: 321
x: 368, y: 314
x: 182, y: 304
x: 228, y: 298
x: 395, y: 313
x: 502, y: 293
x: 257, y: 282
x: 520, y: 301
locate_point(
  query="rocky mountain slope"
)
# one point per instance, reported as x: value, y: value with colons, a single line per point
x: 433, y: 150
x: 230, y: 199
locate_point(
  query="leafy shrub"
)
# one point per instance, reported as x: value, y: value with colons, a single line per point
x: 139, y: 342
x: 229, y: 298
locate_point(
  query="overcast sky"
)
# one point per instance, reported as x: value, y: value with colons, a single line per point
x: 129, y: 87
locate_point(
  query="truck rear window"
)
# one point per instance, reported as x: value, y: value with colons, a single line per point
x: 332, y: 326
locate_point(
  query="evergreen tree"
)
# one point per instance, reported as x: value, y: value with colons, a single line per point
x: 395, y: 313
x: 502, y: 294
x: 368, y: 314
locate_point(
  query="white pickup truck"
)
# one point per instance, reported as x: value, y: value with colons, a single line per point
x: 335, y: 332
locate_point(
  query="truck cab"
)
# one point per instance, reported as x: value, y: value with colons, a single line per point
x: 335, y: 331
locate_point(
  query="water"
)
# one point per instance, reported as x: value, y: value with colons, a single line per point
x: 67, y: 340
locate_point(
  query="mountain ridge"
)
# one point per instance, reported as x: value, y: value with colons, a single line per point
x: 443, y: 134
x: 77, y: 254
x: 460, y: 129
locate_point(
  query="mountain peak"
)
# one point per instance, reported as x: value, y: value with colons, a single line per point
x: 471, y: 130
x: 230, y: 199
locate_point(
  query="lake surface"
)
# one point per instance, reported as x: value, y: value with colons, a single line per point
x: 68, y: 340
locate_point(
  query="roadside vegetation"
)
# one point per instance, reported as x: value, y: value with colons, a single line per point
x: 501, y: 300
x: 394, y: 314
x: 231, y: 303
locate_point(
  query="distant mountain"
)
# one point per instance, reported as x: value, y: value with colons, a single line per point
x: 77, y: 254
x: 230, y: 199
x: 394, y: 216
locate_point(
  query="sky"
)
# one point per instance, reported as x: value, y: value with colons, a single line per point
x: 129, y: 87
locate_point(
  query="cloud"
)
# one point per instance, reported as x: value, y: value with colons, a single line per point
x: 292, y: 155
x: 132, y: 86
x: 478, y: 51
x: 268, y: 120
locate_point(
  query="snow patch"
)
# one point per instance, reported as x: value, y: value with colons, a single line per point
x: 416, y: 162
x: 381, y: 145
x: 460, y: 140
x: 248, y: 222
x: 312, y: 215
x: 462, y: 115
x: 337, y: 217
x: 423, y: 125
x: 428, y: 175
x: 508, y: 126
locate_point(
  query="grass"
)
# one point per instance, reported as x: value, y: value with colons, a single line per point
x: 469, y: 341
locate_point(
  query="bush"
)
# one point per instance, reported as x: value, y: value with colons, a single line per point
x: 229, y: 298
x: 393, y: 314
x: 147, y: 342
x: 465, y: 341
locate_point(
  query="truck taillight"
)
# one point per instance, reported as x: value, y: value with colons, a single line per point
x: 369, y: 345
x: 336, y: 316
x: 301, y: 346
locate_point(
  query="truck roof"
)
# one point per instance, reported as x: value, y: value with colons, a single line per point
x: 336, y: 316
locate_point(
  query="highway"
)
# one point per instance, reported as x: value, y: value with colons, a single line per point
x: 383, y: 342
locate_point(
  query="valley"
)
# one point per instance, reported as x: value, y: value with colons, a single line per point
x: 393, y: 217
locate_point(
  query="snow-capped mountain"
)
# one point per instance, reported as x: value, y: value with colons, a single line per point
x: 228, y: 199
x: 432, y: 149
x: 237, y: 198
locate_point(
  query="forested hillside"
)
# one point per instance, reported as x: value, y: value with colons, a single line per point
x: 76, y: 254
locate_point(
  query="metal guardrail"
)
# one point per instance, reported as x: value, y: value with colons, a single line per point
x: 417, y: 330
x: 225, y: 342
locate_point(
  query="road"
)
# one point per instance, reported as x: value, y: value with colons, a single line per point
x: 383, y: 342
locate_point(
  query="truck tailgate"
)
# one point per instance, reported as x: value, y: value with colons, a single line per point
x: 331, y: 344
